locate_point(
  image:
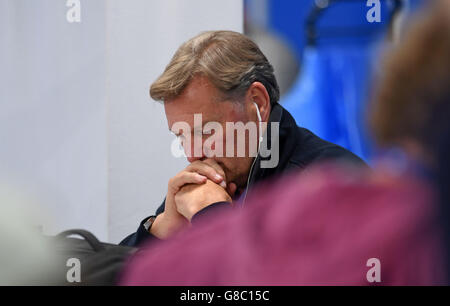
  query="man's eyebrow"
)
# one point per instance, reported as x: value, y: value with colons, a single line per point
x: 194, y: 129
x: 201, y: 129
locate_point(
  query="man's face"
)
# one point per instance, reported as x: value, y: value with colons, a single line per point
x: 201, y: 97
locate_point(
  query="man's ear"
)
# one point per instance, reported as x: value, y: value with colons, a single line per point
x: 257, y: 93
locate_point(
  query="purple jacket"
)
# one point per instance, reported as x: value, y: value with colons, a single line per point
x: 322, y: 230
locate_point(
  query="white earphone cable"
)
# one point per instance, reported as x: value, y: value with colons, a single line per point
x: 260, y: 139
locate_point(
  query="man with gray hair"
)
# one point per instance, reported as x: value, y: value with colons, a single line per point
x: 220, y: 80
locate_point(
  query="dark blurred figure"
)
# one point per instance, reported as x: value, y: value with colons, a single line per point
x: 333, y: 228
x: 412, y: 106
x: 444, y: 188
x: 443, y: 175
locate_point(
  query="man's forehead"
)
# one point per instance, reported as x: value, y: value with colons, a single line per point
x: 199, y: 98
x: 199, y: 86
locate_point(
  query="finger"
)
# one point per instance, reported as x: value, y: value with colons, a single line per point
x: 216, y: 167
x: 205, y: 170
x: 184, y: 178
x: 231, y: 189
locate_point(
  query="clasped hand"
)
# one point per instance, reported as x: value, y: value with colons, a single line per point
x: 199, y: 185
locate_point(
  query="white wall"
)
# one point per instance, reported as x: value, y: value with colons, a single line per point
x: 53, y: 111
x: 78, y: 130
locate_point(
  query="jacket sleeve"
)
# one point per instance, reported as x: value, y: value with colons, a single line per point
x: 210, y: 210
x: 142, y: 235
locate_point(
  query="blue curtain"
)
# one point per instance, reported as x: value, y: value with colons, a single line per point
x: 330, y: 95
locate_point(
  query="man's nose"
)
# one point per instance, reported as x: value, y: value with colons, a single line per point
x: 193, y: 154
x: 192, y: 159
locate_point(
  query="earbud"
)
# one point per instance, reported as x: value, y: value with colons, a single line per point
x: 258, y: 114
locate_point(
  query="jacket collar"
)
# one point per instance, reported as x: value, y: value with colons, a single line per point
x: 286, y: 140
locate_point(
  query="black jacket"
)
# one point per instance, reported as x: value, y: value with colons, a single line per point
x: 298, y: 149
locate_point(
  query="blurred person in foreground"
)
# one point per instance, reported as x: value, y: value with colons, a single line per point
x: 330, y: 229
x: 221, y: 81
x: 26, y: 256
